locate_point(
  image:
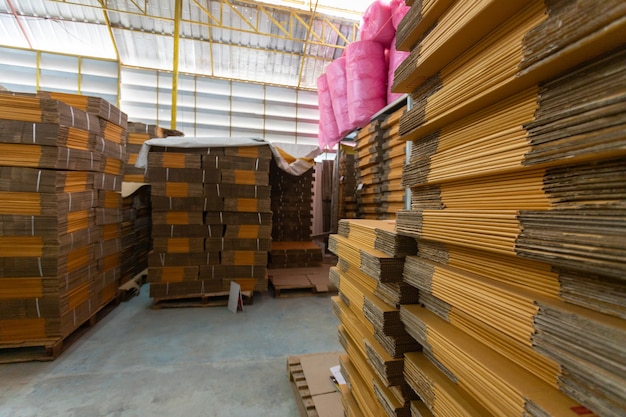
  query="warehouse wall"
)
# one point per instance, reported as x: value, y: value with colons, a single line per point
x: 206, y: 106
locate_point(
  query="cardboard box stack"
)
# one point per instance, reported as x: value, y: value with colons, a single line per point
x: 138, y: 133
x: 381, y: 155
x: 212, y: 221
x: 369, y: 147
x: 136, y: 233
x: 390, y: 189
x: 369, y: 278
x: 111, y: 145
x: 347, y: 183
x: 292, y: 204
x: 517, y: 147
x: 54, y: 158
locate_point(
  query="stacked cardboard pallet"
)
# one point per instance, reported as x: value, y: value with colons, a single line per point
x: 381, y: 155
x: 517, y: 205
x: 347, y: 191
x: 369, y: 147
x: 390, y: 190
x: 371, y: 257
x: 292, y: 204
x: 136, y: 233
x: 53, y: 162
x: 138, y: 133
x: 111, y: 144
x: 212, y: 221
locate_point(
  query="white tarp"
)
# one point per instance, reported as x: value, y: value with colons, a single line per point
x: 296, y: 163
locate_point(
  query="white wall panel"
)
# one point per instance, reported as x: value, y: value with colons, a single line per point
x: 207, y: 106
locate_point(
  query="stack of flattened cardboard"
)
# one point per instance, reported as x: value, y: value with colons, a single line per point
x: 111, y: 144
x: 295, y: 255
x: 516, y: 177
x: 347, y: 183
x: 391, y: 191
x: 212, y: 222
x: 369, y: 148
x: 49, y: 270
x: 138, y: 133
x: 136, y: 233
x: 381, y: 154
x: 371, y: 330
x: 292, y: 201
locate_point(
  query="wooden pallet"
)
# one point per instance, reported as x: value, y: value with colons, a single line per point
x: 314, y: 390
x: 132, y: 287
x: 283, y: 291
x: 301, y: 387
x: 199, y: 300
x: 50, y: 349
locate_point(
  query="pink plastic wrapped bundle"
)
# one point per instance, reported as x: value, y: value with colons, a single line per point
x: 395, y: 59
x: 328, y: 132
x: 376, y: 24
x: 398, y: 10
x: 338, y: 86
x: 366, y: 69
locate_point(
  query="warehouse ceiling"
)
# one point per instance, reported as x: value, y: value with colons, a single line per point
x: 280, y: 42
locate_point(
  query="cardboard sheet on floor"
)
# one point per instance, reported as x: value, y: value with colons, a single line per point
x: 320, y: 281
x: 317, y: 385
x: 316, y: 370
x: 328, y: 405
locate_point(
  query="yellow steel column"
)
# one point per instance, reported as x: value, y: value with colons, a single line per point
x: 105, y: 13
x: 178, y: 13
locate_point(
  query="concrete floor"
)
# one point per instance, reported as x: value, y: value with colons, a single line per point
x: 176, y: 362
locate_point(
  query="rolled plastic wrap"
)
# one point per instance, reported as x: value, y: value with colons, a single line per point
x: 328, y: 132
x: 376, y: 24
x: 398, y: 10
x: 366, y: 70
x: 338, y: 86
x: 395, y: 59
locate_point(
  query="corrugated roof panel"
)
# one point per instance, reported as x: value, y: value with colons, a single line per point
x: 247, y: 40
x: 141, y: 49
x: 59, y: 27
x: 10, y: 33
x: 74, y: 38
x: 141, y: 23
x: 195, y: 57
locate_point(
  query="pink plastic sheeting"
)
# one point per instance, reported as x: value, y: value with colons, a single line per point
x: 398, y: 10
x: 366, y: 69
x: 376, y: 24
x: 395, y: 59
x: 328, y: 131
x: 338, y: 86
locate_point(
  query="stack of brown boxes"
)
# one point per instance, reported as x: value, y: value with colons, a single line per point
x: 136, y: 231
x: 391, y: 190
x: 137, y: 226
x: 369, y: 143
x: 347, y: 184
x: 51, y: 159
x: 368, y: 275
x: 212, y: 221
x: 138, y: 133
x: 292, y: 199
x: 381, y: 154
x: 517, y: 205
x: 111, y: 145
